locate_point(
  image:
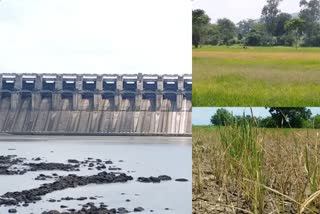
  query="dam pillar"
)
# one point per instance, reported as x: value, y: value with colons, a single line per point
x: 76, y: 101
x: 38, y: 83
x: 35, y: 100
x: 96, y: 100
x: 117, y: 96
x: 99, y: 83
x: 59, y: 83
x: 179, y: 93
x: 15, y: 99
x: 159, y: 95
x: 56, y: 98
x: 18, y: 82
x: 1, y: 81
x: 179, y: 100
x: 79, y: 83
x: 138, y: 98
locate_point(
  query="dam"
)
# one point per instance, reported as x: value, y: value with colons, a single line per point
x: 108, y: 104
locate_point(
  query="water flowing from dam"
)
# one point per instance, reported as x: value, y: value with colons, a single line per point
x: 105, y: 119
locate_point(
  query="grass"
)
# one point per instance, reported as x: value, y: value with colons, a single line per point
x: 261, y: 76
x: 244, y: 169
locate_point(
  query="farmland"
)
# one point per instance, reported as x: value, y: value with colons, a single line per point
x: 256, y: 76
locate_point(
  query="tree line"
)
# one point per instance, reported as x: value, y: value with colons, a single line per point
x: 280, y: 117
x: 274, y: 28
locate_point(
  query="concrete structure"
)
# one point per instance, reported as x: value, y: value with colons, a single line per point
x: 95, y: 104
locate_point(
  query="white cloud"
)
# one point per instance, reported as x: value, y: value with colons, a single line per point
x: 97, y: 36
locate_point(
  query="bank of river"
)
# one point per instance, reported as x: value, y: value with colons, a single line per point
x: 136, y: 156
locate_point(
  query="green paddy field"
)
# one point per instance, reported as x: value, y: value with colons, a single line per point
x: 256, y: 76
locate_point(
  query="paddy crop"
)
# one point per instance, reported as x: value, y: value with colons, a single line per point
x: 261, y: 76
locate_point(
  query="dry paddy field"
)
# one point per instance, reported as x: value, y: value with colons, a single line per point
x: 243, y: 169
x: 261, y: 76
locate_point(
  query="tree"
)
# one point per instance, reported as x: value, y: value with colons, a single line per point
x: 222, y: 118
x: 200, y: 20
x: 295, y: 25
x: 310, y: 14
x: 227, y: 30
x: 316, y: 121
x: 281, y: 20
x: 269, y: 14
x: 245, y: 26
x: 287, y: 117
x: 212, y: 35
x: 253, y: 39
x: 268, y: 122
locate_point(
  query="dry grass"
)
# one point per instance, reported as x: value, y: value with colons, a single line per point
x: 248, y: 170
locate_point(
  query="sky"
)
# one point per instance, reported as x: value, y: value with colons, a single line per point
x: 202, y: 115
x: 237, y: 10
x: 96, y: 36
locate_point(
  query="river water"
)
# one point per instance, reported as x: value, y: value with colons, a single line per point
x: 136, y: 156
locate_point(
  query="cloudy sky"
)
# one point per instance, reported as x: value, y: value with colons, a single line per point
x: 237, y: 10
x: 96, y: 36
x: 202, y: 115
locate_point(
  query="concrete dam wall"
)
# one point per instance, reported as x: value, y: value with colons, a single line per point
x: 95, y: 104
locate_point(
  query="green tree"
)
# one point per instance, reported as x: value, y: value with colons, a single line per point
x: 268, y: 122
x: 227, y: 30
x: 200, y: 20
x: 212, y: 35
x: 316, y: 121
x: 295, y: 25
x: 222, y: 118
x: 293, y: 117
x: 269, y: 14
x: 281, y: 20
x: 310, y: 13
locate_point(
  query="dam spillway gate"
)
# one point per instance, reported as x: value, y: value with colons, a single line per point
x: 96, y: 104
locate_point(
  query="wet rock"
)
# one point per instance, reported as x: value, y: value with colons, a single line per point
x: 70, y: 181
x: 152, y: 179
x: 73, y: 161
x: 182, y: 179
x: 138, y: 209
x: 164, y: 178
x: 114, y: 168
x: 12, y: 210
x: 51, y: 166
x: 82, y: 198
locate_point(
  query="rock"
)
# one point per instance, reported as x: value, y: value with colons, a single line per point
x: 138, y: 209
x: 82, y: 198
x: 73, y: 161
x: 152, y: 179
x: 182, y: 179
x: 12, y: 210
x: 70, y: 181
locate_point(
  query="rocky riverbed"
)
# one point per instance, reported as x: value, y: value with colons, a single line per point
x: 98, y: 183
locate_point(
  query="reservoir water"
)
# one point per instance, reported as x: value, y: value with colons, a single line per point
x: 136, y: 156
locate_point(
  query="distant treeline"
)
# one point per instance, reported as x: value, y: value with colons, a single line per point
x: 280, y: 117
x: 274, y: 28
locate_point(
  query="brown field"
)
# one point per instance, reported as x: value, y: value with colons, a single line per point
x: 250, y: 170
